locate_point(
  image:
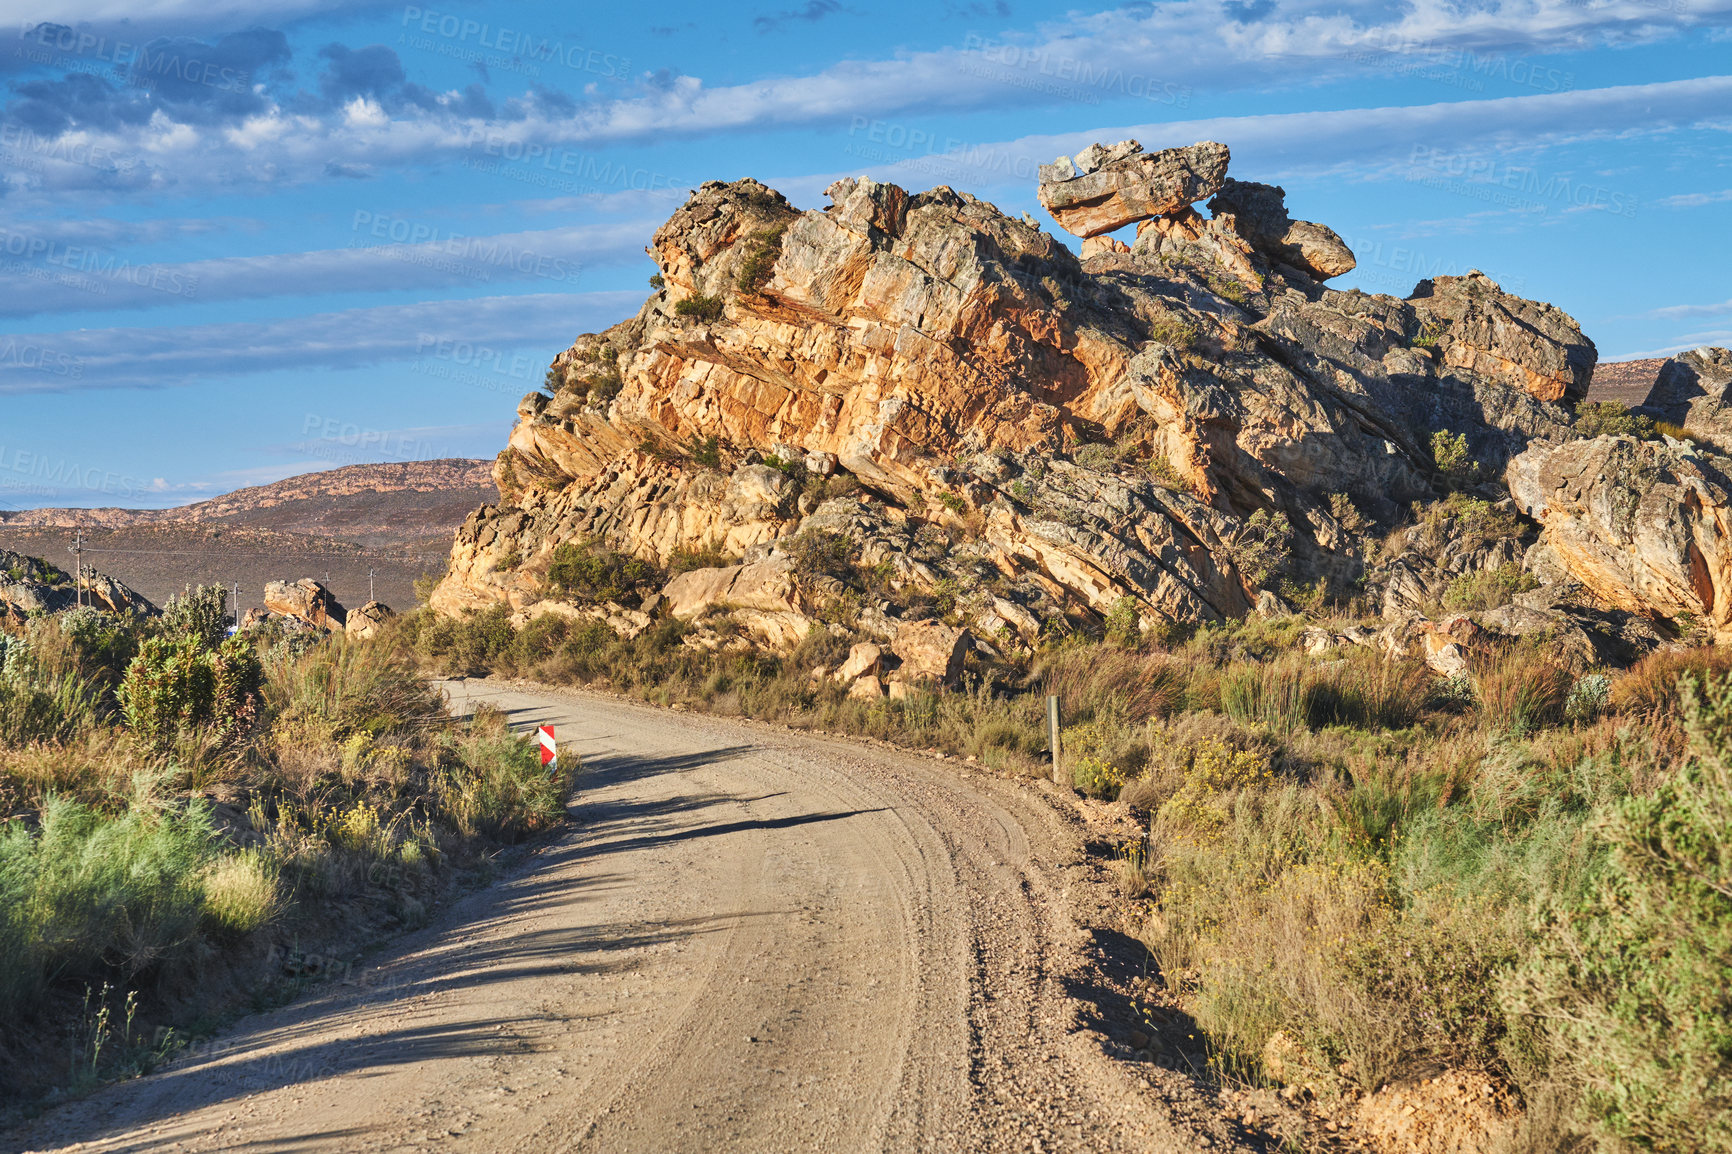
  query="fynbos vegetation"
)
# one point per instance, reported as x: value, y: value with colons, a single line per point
x: 176, y: 802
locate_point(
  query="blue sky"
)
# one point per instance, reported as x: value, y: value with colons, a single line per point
x: 246, y: 239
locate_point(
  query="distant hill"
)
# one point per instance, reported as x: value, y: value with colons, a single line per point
x: 1626, y: 382
x: 393, y: 519
x: 381, y: 506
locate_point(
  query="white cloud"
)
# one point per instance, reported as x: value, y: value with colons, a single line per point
x: 1385, y: 142
x: 1713, y: 310
x: 1696, y: 199
x: 70, y: 277
x: 1157, y: 53
x: 153, y: 12
x: 480, y: 341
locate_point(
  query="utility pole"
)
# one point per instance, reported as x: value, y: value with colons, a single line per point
x: 78, y: 567
x: 237, y: 606
x: 370, y: 575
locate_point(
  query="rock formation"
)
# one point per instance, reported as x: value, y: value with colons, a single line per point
x: 1694, y: 391
x: 1259, y: 213
x: 32, y: 585
x: 1646, y: 527
x: 997, y: 438
x: 305, y: 600
x: 366, y: 621
x: 1104, y: 189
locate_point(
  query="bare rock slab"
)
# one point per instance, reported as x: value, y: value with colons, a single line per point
x: 1640, y: 524
x: 1130, y: 186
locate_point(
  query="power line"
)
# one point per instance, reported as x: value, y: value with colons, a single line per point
x: 199, y: 553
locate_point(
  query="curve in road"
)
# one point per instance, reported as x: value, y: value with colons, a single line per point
x: 748, y: 939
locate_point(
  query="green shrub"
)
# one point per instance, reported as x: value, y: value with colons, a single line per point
x: 1449, y: 452
x: 1174, y: 330
x: 1467, y: 523
x: 498, y: 786
x: 587, y: 571
x: 1631, y: 986
x: 708, y: 452
x: 35, y: 704
x: 700, y: 307
x: 176, y: 687
x: 1097, y: 778
x: 1611, y: 419
x: 820, y: 552
x: 240, y: 894
x: 760, y: 263
x: 201, y: 614
x: 709, y: 555
x: 344, y: 687
x: 1488, y: 588
x: 1122, y: 623
x: 1262, y: 548
x: 1096, y: 455
x: 92, y: 897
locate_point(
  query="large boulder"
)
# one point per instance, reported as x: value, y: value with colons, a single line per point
x: 1535, y: 347
x: 1104, y: 189
x: 305, y: 600
x: 366, y: 621
x: 1259, y: 213
x: 762, y: 596
x: 1693, y: 390
x: 1645, y: 526
x: 931, y: 650
x: 33, y: 585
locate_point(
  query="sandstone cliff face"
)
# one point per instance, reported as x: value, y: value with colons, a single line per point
x: 1183, y: 424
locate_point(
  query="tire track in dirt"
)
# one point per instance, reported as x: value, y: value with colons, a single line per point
x: 749, y: 939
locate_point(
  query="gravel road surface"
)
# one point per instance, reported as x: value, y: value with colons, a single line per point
x: 748, y: 939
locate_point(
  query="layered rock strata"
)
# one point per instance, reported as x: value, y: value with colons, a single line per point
x: 1023, y: 437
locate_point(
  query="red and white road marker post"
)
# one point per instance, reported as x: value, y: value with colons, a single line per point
x: 549, y: 751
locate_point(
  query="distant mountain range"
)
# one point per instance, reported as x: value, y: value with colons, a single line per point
x: 394, y: 520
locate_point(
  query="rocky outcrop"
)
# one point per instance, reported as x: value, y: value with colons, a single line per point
x: 1645, y: 526
x: 1534, y: 347
x: 32, y: 585
x: 366, y: 621
x: 931, y: 651
x: 1004, y: 436
x: 762, y: 597
x: 1694, y: 391
x: 306, y: 600
x: 1105, y: 188
x: 1259, y: 214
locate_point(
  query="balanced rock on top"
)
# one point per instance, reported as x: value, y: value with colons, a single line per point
x: 1105, y: 188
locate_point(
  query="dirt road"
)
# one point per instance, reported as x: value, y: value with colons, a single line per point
x: 748, y: 939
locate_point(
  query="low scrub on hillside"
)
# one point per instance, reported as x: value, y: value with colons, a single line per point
x: 1355, y: 871
x: 174, y: 803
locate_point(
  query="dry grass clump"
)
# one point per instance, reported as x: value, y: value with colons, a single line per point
x: 1520, y: 689
x: 1651, y: 685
